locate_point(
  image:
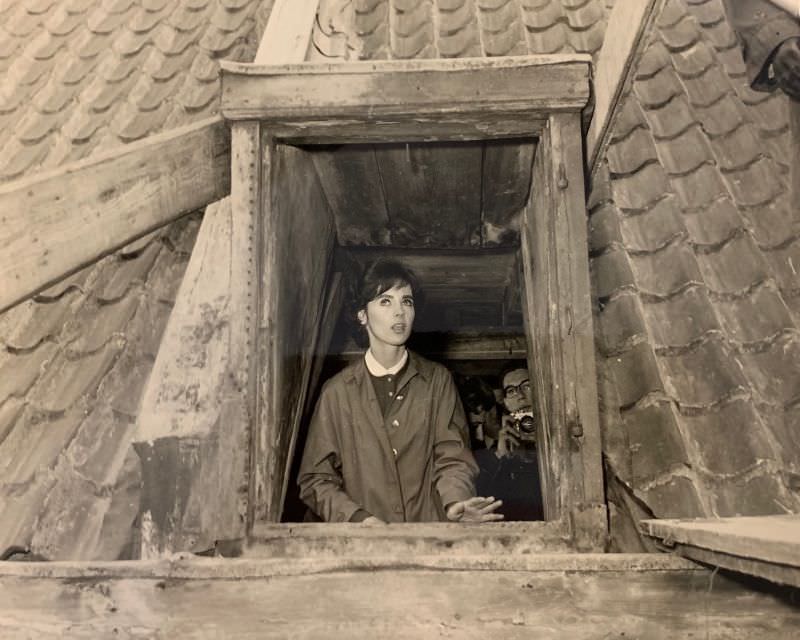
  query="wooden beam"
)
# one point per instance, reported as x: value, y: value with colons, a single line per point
x: 288, y: 32
x: 193, y: 429
x: 764, y: 546
x: 54, y: 223
x: 628, y: 23
x: 510, y: 596
x: 496, y: 97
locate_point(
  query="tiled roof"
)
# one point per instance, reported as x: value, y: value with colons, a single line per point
x: 81, y: 76
x: 694, y: 244
x: 398, y: 29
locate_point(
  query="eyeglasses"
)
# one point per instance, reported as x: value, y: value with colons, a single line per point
x: 513, y: 391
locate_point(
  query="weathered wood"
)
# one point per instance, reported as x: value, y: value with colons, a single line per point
x: 627, y: 24
x: 55, y: 223
x: 506, y: 183
x: 496, y: 97
x: 794, y: 124
x: 288, y: 32
x: 407, y: 540
x: 352, y: 184
x: 193, y: 430
x: 343, y: 598
x: 433, y: 194
x: 558, y: 320
x: 297, y: 250
x: 771, y: 538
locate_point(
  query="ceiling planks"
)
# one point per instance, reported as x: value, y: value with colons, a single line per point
x: 432, y: 194
x: 505, y: 186
x: 352, y: 184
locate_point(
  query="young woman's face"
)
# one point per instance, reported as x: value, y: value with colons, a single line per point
x: 389, y: 317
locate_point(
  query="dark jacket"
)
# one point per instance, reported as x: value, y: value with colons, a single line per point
x: 402, y: 468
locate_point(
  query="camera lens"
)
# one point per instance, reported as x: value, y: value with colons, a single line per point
x: 527, y: 425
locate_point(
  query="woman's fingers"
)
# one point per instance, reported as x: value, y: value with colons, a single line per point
x: 492, y: 517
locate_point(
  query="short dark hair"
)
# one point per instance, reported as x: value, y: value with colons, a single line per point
x: 514, y: 365
x: 382, y: 275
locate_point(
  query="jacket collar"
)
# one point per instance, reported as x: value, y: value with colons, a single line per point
x: 416, y: 365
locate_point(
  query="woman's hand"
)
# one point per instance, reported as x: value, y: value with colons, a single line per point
x: 372, y: 520
x: 475, y: 510
x: 507, y: 439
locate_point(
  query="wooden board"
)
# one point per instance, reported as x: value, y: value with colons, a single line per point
x: 433, y: 193
x: 193, y: 429
x: 498, y: 97
x: 297, y: 252
x: 627, y: 24
x: 510, y: 597
x: 761, y: 541
x: 352, y: 183
x: 288, y: 33
x: 506, y: 183
x: 56, y: 222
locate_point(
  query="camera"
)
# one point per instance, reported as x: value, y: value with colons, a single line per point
x: 525, y: 427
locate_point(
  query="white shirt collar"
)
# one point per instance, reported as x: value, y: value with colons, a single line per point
x: 378, y: 370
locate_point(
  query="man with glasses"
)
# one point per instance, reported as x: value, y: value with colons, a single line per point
x: 509, y: 470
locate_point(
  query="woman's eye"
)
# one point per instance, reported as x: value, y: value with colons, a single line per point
x: 408, y: 302
x: 384, y: 301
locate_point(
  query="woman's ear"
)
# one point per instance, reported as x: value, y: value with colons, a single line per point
x: 362, y: 317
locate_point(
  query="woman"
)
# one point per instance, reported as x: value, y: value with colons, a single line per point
x: 388, y: 440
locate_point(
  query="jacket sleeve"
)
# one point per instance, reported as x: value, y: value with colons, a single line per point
x: 455, y: 469
x: 320, y: 477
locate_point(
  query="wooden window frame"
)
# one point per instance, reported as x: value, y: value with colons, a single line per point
x: 442, y: 100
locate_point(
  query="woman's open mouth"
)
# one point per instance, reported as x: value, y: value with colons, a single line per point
x: 399, y: 327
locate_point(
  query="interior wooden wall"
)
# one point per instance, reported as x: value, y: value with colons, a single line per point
x: 298, y: 243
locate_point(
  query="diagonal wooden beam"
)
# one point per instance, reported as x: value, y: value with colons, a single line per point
x: 288, y: 32
x: 628, y: 23
x: 56, y: 222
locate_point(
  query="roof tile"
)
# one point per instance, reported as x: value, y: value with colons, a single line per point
x: 621, y: 324
x: 629, y: 118
x: 676, y: 498
x: 773, y: 369
x: 755, y: 184
x: 642, y: 189
x: 681, y: 35
x: 755, y: 317
x: 758, y: 495
x: 686, y: 152
x: 774, y: 223
x: 721, y: 117
x: 20, y: 157
x: 69, y: 379
x: 35, y: 444
x: 657, y: 91
x: 654, y: 229
x: 148, y: 324
x: 10, y: 411
x: 136, y: 247
x: 63, y: 23
x: 552, y: 40
x: 229, y: 20
x: 735, y: 267
x: 19, y: 371
x: 194, y: 96
x: 635, y: 374
x: 663, y: 272
x: 682, y: 319
x: 44, y: 321
x: 129, y: 43
x: 611, y: 272
x: 707, y: 88
x: 736, y: 149
x: 632, y: 153
x: 655, y: 441
x: 699, y: 188
x: 73, y: 282
x: 702, y: 376
x: 694, y: 62
x: 145, y: 19
x: 100, y: 324
x: 22, y: 23
x: 582, y: 16
x: 20, y: 514
x: 733, y: 428
x: 131, y: 124
x: 120, y: 275
x: 714, y: 223
x: 654, y: 58
x: 541, y: 15
x: 784, y: 262
x: 604, y: 228
x: 771, y: 115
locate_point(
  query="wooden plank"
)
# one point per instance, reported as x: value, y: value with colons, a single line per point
x: 368, y: 600
x: 433, y: 193
x: 772, y: 539
x: 627, y: 25
x: 506, y: 183
x: 577, y: 348
x: 56, y: 222
x: 425, y: 95
x: 193, y: 429
x: 794, y: 124
x: 352, y: 184
x: 288, y: 32
x: 297, y: 250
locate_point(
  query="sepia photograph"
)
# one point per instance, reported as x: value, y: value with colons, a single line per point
x: 366, y: 319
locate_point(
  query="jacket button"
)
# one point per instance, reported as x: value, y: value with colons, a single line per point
x: 394, y: 451
x: 395, y: 423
